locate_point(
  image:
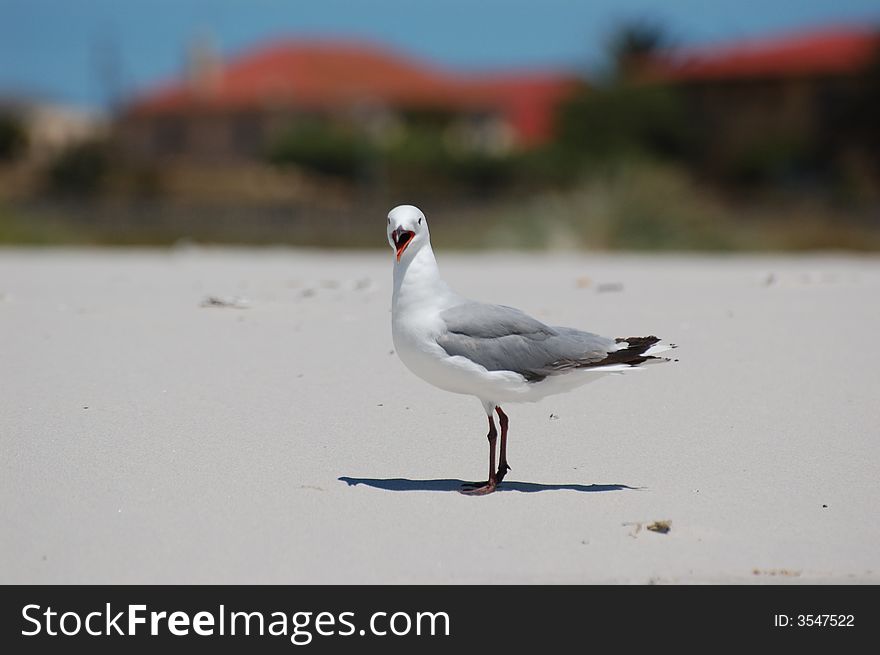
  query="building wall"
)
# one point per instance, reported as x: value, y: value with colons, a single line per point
x: 738, y: 119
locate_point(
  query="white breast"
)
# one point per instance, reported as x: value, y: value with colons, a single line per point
x: 419, y: 298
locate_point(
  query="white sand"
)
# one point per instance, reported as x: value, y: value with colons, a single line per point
x: 214, y: 438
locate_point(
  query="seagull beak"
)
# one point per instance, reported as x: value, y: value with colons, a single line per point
x: 402, y: 239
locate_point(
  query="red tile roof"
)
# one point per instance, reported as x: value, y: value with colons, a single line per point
x: 829, y: 51
x: 328, y: 75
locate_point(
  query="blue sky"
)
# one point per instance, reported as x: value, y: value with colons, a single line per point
x: 52, y: 48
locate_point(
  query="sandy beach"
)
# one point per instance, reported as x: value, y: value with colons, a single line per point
x: 238, y: 416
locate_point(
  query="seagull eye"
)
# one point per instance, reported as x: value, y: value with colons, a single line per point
x: 389, y: 221
x: 420, y: 221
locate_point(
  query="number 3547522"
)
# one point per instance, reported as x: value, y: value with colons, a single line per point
x: 826, y: 620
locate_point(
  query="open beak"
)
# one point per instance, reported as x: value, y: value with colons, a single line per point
x: 401, y: 239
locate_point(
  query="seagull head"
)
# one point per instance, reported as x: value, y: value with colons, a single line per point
x: 407, y: 230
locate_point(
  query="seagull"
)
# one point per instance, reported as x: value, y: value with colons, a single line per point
x: 498, y: 354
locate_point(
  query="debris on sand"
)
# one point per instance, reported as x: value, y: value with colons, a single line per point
x: 657, y: 526
x: 583, y: 282
x: 660, y: 526
x: 609, y: 287
x: 554, y: 417
x: 232, y: 302
x: 787, y: 573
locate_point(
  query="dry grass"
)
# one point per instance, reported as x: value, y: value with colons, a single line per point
x: 630, y: 206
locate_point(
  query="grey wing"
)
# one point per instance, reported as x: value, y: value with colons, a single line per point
x: 502, y: 338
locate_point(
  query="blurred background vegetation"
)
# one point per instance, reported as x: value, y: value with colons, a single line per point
x: 660, y: 151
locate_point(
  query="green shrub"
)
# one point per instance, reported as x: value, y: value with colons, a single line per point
x: 80, y: 170
x: 622, y: 120
x: 771, y: 159
x: 422, y: 153
x: 323, y: 148
x: 13, y: 138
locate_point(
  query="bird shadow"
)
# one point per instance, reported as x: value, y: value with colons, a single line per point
x: 405, y: 484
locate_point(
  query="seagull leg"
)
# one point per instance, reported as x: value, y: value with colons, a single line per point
x: 489, y: 486
x: 503, y: 467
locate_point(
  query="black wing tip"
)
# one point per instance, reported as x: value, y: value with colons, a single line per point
x: 637, y: 345
x: 638, y: 341
x: 633, y: 355
x: 643, y: 343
